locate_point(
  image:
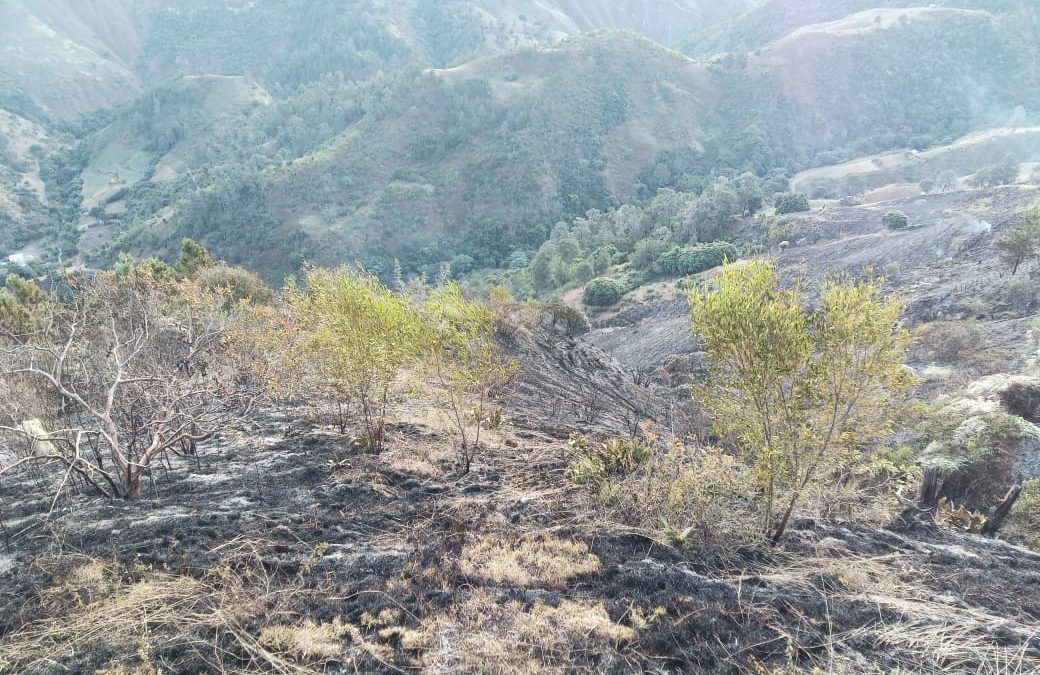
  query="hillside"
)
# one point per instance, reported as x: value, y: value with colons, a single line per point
x: 882, y: 79
x: 389, y: 564
x: 352, y: 147
x: 771, y: 20
x: 25, y: 219
x: 963, y: 157
x: 72, y: 58
x: 520, y: 336
x: 281, y: 544
x: 945, y: 267
x: 534, y: 136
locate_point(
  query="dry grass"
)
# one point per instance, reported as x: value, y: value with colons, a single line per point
x: 100, y: 607
x: 950, y: 646
x: 934, y: 633
x: 309, y: 640
x: 535, y: 561
x: 482, y: 635
x: 690, y: 495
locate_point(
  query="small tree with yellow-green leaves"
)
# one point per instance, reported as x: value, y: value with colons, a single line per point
x: 23, y: 307
x: 467, y: 365
x: 362, y: 336
x: 804, y: 392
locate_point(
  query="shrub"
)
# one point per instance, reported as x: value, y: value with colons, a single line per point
x: 647, y: 252
x: 791, y: 203
x: 594, y: 463
x: 687, y: 260
x: 949, y: 341
x: 837, y: 373
x: 239, y: 283
x: 23, y: 306
x: 1025, y: 517
x: 972, y: 448
x: 193, y: 257
x: 1022, y: 398
x: 1022, y: 294
x: 154, y: 268
x: 362, y: 336
x: 692, y: 495
x: 895, y: 220
x: 466, y: 363
x: 602, y: 292
x: 573, y: 321
x: 138, y: 367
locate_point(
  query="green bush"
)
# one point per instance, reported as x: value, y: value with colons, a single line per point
x: 791, y: 203
x: 686, y: 260
x: 895, y: 220
x: 596, y: 463
x: 647, y: 252
x: 572, y: 320
x: 602, y: 292
x: 241, y: 284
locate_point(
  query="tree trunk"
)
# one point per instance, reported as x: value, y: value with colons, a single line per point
x: 996, y: 521
x: 928, y: 489
x: 782, y: 527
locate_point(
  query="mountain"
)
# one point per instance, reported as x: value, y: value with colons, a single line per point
x: 24, y: 213
x: 422, y: 132
x: 70, y: 57
x: 771, y: 20
x: 75, y: 57
x: 477, y: 159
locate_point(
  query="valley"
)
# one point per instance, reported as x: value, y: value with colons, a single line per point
x: 519, y: 336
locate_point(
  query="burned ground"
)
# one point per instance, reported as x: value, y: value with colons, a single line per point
x: 289, y: 550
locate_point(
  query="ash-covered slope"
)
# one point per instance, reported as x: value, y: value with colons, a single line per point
x: 286, y: 548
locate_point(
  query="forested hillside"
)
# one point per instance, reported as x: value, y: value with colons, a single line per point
x: 462, y: 132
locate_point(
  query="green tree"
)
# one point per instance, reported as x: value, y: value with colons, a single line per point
x: 362, y: 336
x: 518, y: 260
x: 568, y: 248
x: 23, y: 307
x: 192, y: 258
x: 602, y: 292
x: 791, y: 203
x: 895, y: 220
x: 709, y: 216
x: 802, y: 391
x: 581, y: 271
x: 1019, y: 243
x: 542, y: 265
x: 602, y: 258
x: 467, y: 365
x: 573, y: 321
x: 749, y: 192
x: 646, y: 253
